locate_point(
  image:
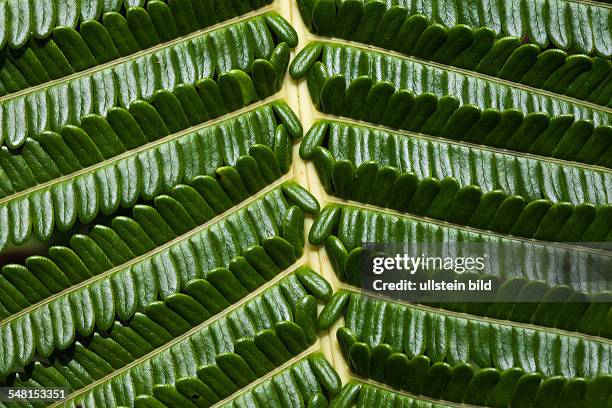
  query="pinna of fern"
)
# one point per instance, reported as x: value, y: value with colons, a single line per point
x: 36, y: 182
x: 54, y: 39
x: 106, y: 275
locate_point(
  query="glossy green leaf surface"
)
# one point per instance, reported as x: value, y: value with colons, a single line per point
x: 165, y: 242
x: 81, y: 188
x: 107, y: 272
x: 462, y: 360
x: 218, y: 55
x: 569, y: 26
x: 203, y: 362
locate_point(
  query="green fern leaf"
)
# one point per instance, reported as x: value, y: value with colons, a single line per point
x: 467, y: 88
x: 462, y: 360
x: 113, y: 20
x: 102, y: 185
x: 217, y: 55
x: 392, y: 170
x: 345, y: 230
x: 102, y: 270
x: 154, y: 210
x: 568, y: 26
x: 204, y: 363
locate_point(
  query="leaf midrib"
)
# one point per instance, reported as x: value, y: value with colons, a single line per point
x: 151, y: 145
x: 439, y: 139
x: 299, y: 263
x: 484, y: 319
x: 141, y: 53
x: 151, y: 253
x: 373, y: 48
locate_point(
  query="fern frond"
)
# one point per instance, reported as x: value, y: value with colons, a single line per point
x: 362, y: 395
x: 78, y: 192
x: 311, y: 381
x: 482, y: 390
x: 396, y: 171
x: 397, y: 93
x: 153, y: 222
x: 471, y: 164
x: 106, y: 274
x: 229, y: 56
x: 462, y: 360
x: 207, y: 362
x: 520, y: 300
x: 471, y: 45
x: 418, y: 76
x: 118, y: 20
x: 55, y: 49
x: 345, y: 228
x: 571, y: 26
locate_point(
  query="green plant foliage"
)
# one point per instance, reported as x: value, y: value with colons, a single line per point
x: 365, y: 395
x: 511, y: 389
x: 462, y: 360
x: 309, y: 382
x: 396, y: 171
x: 571, y: 26
x: 179, y: 281
x: 74, y: 184
x: 106, y: 274
x: 471, y: 157
x: 153, y: 226
x: 202, y: 364
x: 475, y: 46
x: 343, y: 229
x: 118, y: 20
x: 54, y: 47
x: 225, y: 68
x: 418, y: 77
x: 490, y: 169
x: 396, y: 92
